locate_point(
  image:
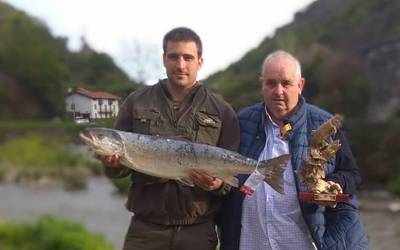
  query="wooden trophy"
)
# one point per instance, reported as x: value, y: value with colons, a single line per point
x: 312, y: 174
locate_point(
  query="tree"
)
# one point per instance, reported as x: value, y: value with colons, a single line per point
x: 142, y: 59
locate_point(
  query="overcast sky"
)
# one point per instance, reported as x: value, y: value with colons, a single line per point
x: 228, y: 28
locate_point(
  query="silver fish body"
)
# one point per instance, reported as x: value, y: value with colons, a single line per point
x: 175, y: 159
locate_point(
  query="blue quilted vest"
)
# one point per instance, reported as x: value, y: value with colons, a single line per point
x: 338, y: 228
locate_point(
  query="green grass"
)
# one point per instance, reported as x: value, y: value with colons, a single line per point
x: 49, y: 233
x: 37, y: 149
x: 35, y: 156
x: 394, y: 185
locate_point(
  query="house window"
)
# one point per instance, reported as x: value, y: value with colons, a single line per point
x: 95, y: 106
x: 72, y: 106
x: 110, y: 102
x: 100, y: 102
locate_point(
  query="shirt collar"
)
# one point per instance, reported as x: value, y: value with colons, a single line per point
x: 269, y: 120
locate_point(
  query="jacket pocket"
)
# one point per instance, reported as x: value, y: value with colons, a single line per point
x: 145, y: 120
x: 207, y: 127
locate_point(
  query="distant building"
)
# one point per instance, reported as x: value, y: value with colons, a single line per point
x: 86, y: 104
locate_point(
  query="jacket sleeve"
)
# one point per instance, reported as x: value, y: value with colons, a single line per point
x: 124, y: 123
x: 230, y: 134
x: 346, y: 170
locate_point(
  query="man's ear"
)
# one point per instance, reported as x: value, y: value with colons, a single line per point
x: 201, y: 61
x: 302, y: 82
x: 163, y: 59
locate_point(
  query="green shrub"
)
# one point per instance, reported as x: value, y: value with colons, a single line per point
x: 36, y: 151
x: 49, y: 233
x: 122, y: 184
x: 394, y: 185
x: 36, y: 156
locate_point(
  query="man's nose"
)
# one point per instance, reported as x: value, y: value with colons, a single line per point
x: 180, y: 63
x: 279, y: 88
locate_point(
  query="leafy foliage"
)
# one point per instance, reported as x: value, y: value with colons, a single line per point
x: 394, y: 185
x: 122, y: 184
x: 336, y: 42
x: 36, y: 69
x: 349, y: 51
x: 34, y: 157
x: 35, y: 151
x: 49, y: 233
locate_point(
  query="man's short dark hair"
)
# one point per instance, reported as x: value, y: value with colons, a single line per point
x: 183, y: 34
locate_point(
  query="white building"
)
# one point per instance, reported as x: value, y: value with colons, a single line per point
x: 87, y: 104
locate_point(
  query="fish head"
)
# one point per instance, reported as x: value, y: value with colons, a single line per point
x: 103, y: 141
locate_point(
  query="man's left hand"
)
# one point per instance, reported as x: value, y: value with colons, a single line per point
x: 205, y: 181
x: 334, y: 186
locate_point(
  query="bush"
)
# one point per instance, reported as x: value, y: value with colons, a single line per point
x: 394, y: 185
x: 36, y: 156
x: 122, y: 184
x: 49, y: 233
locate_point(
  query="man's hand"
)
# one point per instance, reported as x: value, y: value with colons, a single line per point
x: 205, y: 181
x: 335, y: 187
x: 111, y: 161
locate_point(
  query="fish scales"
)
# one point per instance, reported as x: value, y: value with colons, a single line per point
x: 175, y: 159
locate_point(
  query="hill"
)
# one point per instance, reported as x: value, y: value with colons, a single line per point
x: 36, y: 68
x: 350, y: 54
x: 349, y: 49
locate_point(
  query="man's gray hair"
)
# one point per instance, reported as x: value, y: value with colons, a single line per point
x: 282, y: 54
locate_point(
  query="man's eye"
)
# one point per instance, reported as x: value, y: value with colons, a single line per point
x: 270, y: 83
x: 173, y: 57
x: 188, y: 58
x: 286, y: 83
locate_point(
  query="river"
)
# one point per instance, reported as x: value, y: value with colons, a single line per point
x: 97, y: 207
x: 100, y: 210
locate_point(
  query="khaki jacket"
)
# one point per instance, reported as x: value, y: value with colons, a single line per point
x: 205, y: 118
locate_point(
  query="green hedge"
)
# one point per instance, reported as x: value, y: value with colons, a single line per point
x: 35, y: 156
x: 49, y: 233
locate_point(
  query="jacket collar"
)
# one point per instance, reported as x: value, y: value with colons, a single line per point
x: 296, y: 120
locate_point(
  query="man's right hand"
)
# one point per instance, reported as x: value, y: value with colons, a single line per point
x: 111, y: 161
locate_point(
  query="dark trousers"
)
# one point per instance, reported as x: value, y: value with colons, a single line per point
x: 148, y: 236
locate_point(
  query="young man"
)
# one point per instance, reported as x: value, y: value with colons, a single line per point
x: 267, y: 219
x: 167, y: 214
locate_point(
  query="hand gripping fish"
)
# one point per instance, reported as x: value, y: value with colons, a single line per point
x: 175, y: 159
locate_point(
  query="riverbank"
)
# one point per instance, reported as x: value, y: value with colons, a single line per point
x: 100, y: 210
x: 380, y: 213
x: 97, y: 207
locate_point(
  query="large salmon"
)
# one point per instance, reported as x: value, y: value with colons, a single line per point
x: 175, y: 159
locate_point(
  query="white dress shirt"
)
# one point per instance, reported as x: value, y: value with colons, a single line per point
x: 271, y: 220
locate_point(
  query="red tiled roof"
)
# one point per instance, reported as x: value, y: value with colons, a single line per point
x: 95, y: 94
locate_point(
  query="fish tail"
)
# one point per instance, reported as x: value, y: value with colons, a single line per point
x: 273, y: 170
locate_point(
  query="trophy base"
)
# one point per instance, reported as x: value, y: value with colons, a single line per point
x: 316, y: 197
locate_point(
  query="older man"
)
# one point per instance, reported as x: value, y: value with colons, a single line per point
x: 269, y: 220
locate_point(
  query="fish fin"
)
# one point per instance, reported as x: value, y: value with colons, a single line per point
x: 273, y: 170
x: 231, y: 180
x: 186, y: 182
